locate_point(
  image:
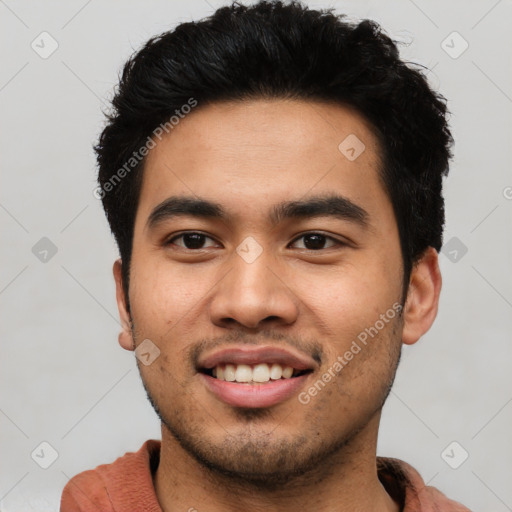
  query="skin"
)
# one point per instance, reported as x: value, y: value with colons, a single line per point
x: 249, y: 156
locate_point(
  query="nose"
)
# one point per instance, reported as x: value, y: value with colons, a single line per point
x: 253, y: 295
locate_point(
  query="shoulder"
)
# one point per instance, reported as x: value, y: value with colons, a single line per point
x: 86, y: 491
x: 108, y: 486
x: 415, y: 495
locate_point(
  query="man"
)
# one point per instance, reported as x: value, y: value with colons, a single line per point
x: 273, y: 179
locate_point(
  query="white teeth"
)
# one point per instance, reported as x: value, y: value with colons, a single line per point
x: 229, y: 373
x: 243, y: 373
x: 276, y: 371
x: 260, y: 373
x: 257, y: 373
x: 287, y: 372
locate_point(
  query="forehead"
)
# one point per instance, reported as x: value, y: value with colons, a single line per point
x: 247, y: 154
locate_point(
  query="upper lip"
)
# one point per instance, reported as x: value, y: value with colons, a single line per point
x: 256, y: 355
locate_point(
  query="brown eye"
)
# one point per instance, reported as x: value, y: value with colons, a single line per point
x: 190, y: 240
x: 317, y: 241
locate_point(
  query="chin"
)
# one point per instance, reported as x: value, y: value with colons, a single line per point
x: 256, y: 456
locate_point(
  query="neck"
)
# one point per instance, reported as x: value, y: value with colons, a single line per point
x: 348, y: 481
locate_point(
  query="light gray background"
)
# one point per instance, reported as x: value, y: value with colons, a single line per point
x: 66, y: 381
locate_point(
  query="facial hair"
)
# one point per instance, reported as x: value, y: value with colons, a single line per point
x: 257, y: 458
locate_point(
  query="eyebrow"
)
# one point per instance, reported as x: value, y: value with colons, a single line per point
x: 318, y: 206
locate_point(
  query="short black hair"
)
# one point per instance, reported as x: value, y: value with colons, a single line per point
x: 277, y: 50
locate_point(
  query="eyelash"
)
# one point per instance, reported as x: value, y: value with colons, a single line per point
x: 327, y: 237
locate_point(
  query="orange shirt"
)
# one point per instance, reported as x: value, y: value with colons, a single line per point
x: 126, y: 485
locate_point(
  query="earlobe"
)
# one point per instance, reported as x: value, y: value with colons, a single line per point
x: 125, y: 336
x: 422, y: 301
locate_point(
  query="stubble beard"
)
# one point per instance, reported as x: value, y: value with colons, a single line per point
x: 261, y: 460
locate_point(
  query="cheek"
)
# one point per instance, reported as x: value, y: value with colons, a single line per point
x: 161, y: 295
x: 354, y: 305
x: 350, y: 297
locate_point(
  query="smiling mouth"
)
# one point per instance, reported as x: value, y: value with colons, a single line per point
x: 261, y: 373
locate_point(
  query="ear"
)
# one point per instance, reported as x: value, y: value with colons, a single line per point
x: 125, y: 336
x: 422, y: 300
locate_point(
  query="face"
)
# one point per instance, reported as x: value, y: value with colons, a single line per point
x: 261, y: 247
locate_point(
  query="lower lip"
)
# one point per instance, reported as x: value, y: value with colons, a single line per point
x: 254, y: 395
